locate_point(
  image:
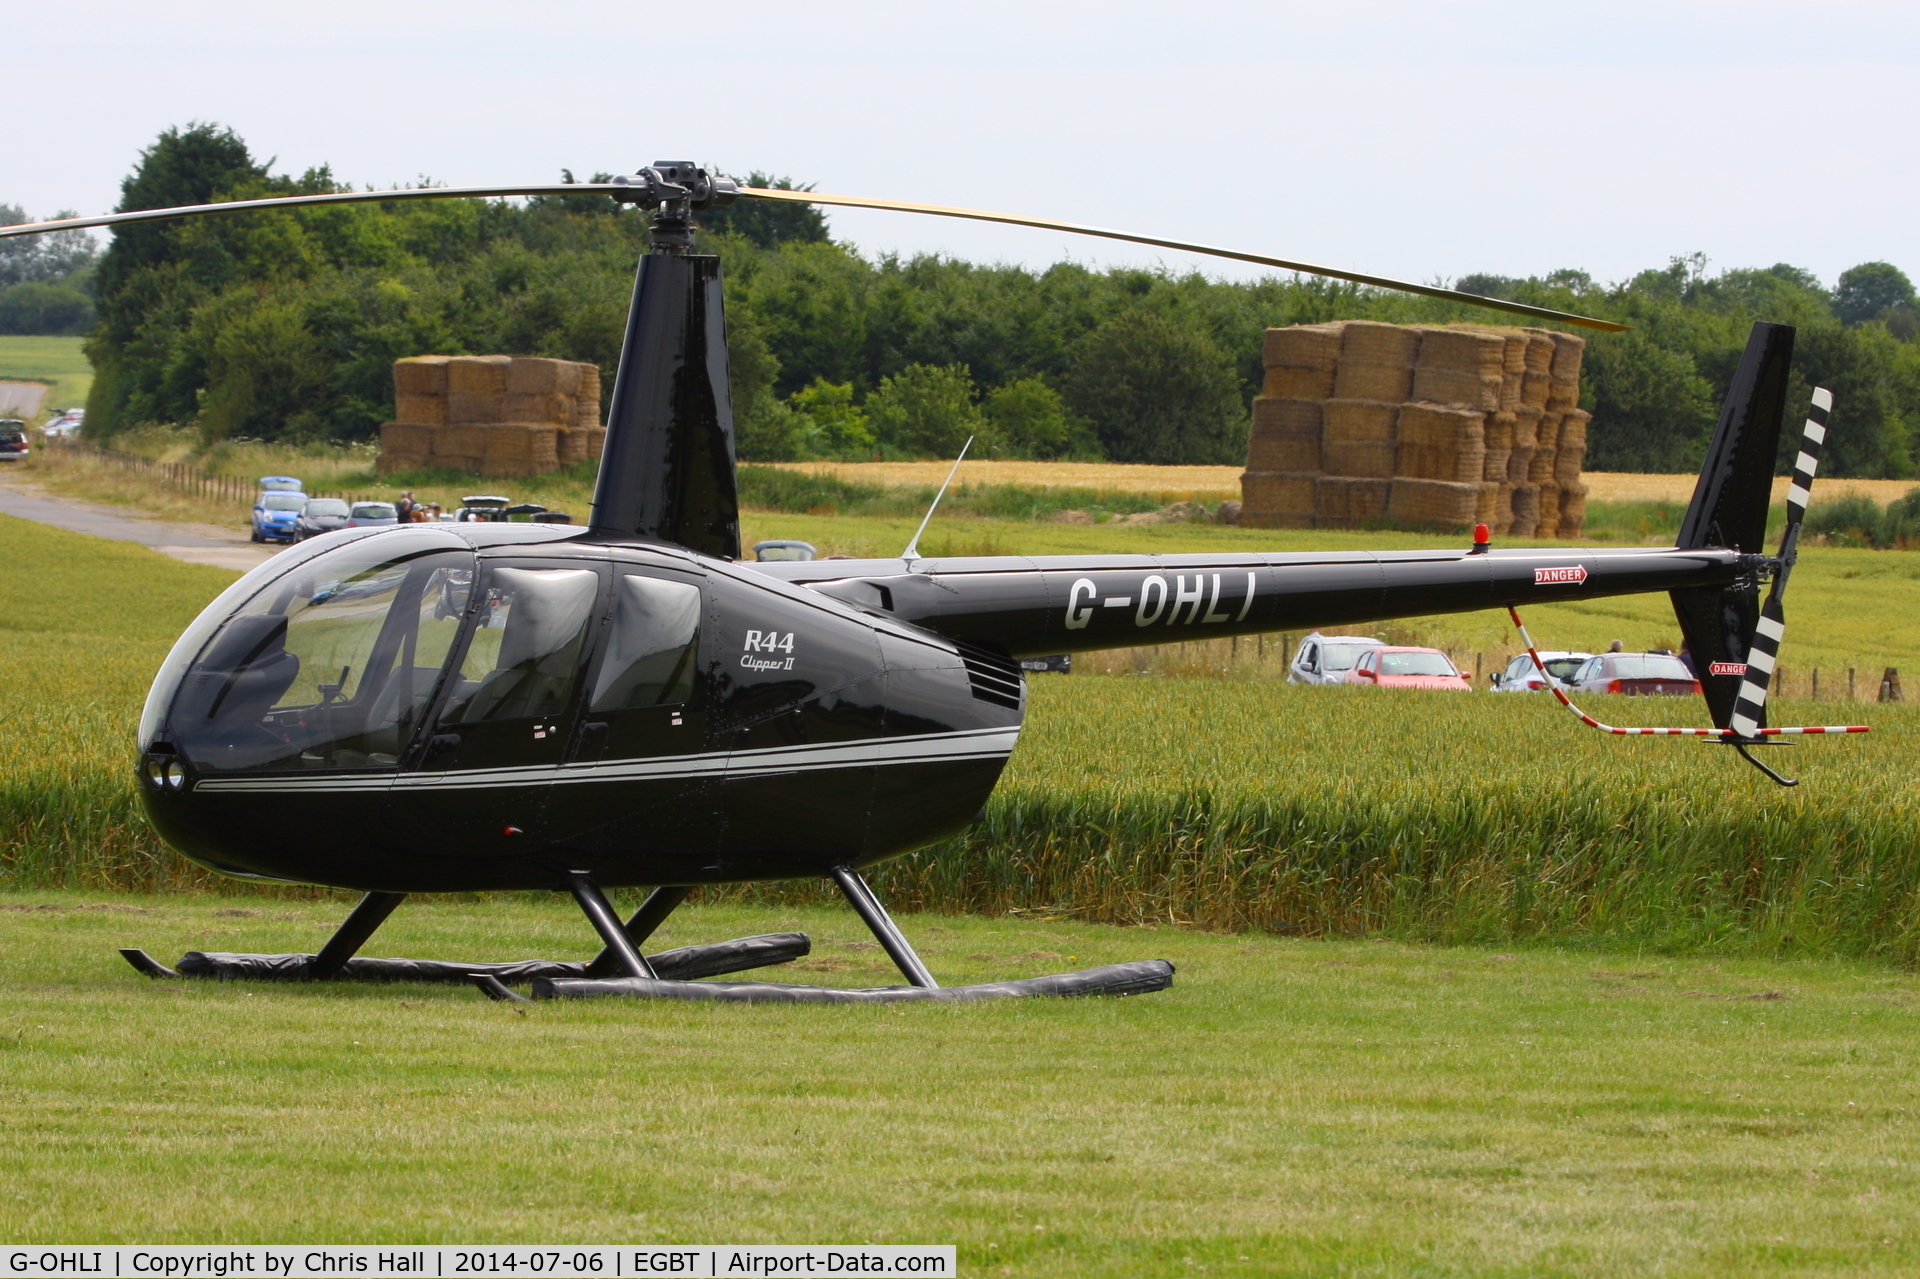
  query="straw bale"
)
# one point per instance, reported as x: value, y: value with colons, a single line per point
x: 1277, y: 499
x: 590, y: 381
x: 1540, y: 347
x: 1303, y: 346
x: 586, y: 412
x: 1344, y: 501
x: 1563, y: 395
x: 1359, y: 421
x: 1526, y: 511
x: 1456, y: 386
x: 520, y: 448
x: 1567, y: 463
x: 421, y: 375
x: 1549, y: 509
x: 1514, y: 357
x: 478, y: 374
x: 1494, y: 468
x: 1444, y: 505
x: 461, y: 448
x: 424, y: 410
x: 1371, y: 342
x: 1573, y: 509
x: 581, y: 443
x: 1547, y: 434
x: 1502, y: 518
x: 404, y: 446
x: 1499, y: 430
x: 1369, y: 458
x: 1535, y: 390
x: 1567, y: 350
x: 1486, y: 509
x: 1540, y: 466
x: 525, y: 406
x: 531, y: 375
x: 1275, y: 415
x: 1512, y: 391
x: 466, y: 408
x: 1287, y: 381
x: 1372, y: 380
x: 1437, y: 443
x: 1526, y: 426
x: 1274, y: 451
x: 1573, y: 431
x: 1519, y: 462
x: 1464, y: 350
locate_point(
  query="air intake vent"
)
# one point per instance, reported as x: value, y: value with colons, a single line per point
x: 995, y: 676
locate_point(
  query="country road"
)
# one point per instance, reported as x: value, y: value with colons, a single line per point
x: 193, y: 543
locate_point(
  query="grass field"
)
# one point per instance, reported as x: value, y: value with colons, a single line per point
x: 1289, y: 1107
x: 58, y: 361
x: 1239, y: 803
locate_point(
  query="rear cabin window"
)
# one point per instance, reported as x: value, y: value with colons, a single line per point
x: 654, y: 646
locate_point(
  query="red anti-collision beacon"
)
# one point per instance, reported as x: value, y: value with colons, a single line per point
x: 1482, y: 540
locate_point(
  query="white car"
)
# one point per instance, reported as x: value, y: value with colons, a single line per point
x: 1326, y: 659
x: 1521, y: 676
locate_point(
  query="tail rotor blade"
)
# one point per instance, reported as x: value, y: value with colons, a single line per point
x: 1750, y: 709
x: 1806, y: 464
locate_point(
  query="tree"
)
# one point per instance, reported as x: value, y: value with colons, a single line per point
x: 39, y: 307
x: 1871, y: 288
x: 1157, y: 389
x: 58, y: 255
x: 925, y: 411
x: 1652, y: 411
x: 830, y: 423
x: 1029, y: 419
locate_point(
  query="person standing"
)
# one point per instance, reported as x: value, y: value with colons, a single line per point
x: 404, y: 507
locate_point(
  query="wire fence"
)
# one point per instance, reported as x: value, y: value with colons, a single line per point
x: 189, y: 480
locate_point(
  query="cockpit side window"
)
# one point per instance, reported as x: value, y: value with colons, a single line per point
x: 525, y: 648
x: 654, y: 647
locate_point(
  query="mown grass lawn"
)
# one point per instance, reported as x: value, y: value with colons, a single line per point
x: 57, y: 360
x: 1297, y: 1107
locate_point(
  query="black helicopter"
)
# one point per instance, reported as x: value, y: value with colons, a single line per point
x: 535, y: 706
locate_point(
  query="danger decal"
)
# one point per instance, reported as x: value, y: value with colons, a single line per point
x: 1727, y: 668
x: 1569, y: 576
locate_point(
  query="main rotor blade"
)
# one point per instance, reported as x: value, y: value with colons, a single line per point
x: 296, y: 201
x: 1308, y: 268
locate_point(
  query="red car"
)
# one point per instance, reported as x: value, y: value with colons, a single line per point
x: 1403, y: 666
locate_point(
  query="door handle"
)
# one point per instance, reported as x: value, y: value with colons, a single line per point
x: 593, y: 739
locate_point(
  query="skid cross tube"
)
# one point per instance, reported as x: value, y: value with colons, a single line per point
x: 861, y: 898
x: 641, y: 925
x: 599, y: 912
x: 352, y: 934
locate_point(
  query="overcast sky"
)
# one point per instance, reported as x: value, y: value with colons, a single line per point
x: 1417, y: 140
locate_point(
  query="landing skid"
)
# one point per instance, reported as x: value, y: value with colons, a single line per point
x: 621, y: 970
x: 1139, y: 978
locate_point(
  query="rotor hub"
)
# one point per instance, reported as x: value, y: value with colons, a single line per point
x: 675, y: 190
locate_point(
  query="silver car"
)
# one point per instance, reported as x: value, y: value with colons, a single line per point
x: 1326, y: 659
x: 1521, y: 676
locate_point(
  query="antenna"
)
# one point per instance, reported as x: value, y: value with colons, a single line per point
x: 913, y: 547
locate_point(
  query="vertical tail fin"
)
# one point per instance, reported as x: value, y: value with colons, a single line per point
x: 1729, y: 509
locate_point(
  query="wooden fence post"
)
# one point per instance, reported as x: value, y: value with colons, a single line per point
x: 1890, y: 685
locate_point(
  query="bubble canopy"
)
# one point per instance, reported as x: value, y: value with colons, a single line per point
x: 334, y: 639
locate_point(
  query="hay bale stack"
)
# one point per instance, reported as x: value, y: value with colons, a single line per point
x: 496, y: 415
x: 1460, y: 367
x: 1285, y: 435
x: 1277, y: 499
x: 1349, y: 501
x: 1434, y: 443
x: 1376, y: 362
x: 1486, y: 413
x: 1357, y: 438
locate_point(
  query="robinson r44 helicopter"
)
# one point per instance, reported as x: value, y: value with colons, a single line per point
x: 537, y: 706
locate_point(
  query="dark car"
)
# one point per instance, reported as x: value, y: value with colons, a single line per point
x: 319, y: 515
x: 1635, y: 675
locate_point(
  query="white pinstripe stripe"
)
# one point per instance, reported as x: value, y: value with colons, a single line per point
x: 1762, y: 661
x: 1771, y: 629
x: 927, y: 749
x: 1823, y: 397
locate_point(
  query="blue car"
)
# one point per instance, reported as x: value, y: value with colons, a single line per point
x: 276, y: 515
